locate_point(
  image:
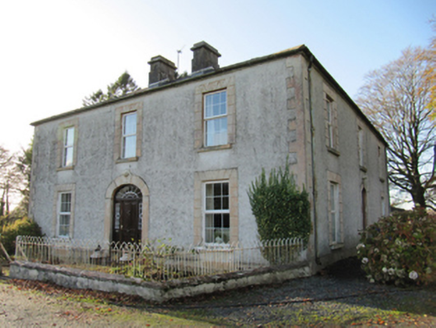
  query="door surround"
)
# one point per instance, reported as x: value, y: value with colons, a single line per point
x: 126, y: 178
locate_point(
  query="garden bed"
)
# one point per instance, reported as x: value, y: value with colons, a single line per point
x: 155, y: 291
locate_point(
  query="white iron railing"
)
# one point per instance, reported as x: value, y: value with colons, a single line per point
x: 158, y: 260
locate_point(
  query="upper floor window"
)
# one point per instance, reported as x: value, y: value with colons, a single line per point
x: 215, y: 118
x: 330, y: 122
x: 128, y: 135
x: 381, y: 163
x: 215, y: 115
x: 128, y: 132
x: 361, y: 146
x: 67, y: 141
x: 64, y: 214
x: 68, y: 147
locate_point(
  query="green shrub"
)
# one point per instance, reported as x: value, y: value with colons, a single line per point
x: 24, y: 227
x: 400, y: 249
x: 280, y: 208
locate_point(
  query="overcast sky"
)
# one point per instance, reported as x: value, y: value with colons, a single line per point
x: 54, y: 53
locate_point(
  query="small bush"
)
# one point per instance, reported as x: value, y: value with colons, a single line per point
x: 280, y: 208
x: 24, y: 227
x: 400, y: 249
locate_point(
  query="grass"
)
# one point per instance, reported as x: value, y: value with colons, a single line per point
x: 411, y: 310
x: 403, y: 307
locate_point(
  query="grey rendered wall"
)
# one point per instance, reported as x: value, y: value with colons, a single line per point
x: 269, y: 125
x: 346, y: 165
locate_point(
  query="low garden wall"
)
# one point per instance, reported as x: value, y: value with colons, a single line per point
x: 156, y: 291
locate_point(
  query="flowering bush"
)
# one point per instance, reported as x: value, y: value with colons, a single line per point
x: 400, y: 249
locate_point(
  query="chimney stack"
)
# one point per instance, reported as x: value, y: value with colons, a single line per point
x: 205, y: 56
x: 161, y: 70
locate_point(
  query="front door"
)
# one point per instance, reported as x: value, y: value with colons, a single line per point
x: 127, y: 225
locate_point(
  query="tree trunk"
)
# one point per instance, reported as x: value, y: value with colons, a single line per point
x: 2, y: 204
x: 418, y: 195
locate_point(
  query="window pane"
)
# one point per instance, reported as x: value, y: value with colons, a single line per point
x: 64, y: 220
x: 225, y: 189
x: 215, y: 104
x: 216, y: 132
x: 129, y: 123
x: 209, y: 228
x: 64, y: 225
x: 217, y: 189
x: 226, y: 220
x: 226, y: 235
x: 129, y: 147
x: 225, y: 203
x: 217, y: 220
x: 209, y: 221
x: 68, y: 156
x: 69, y: 137
x: 209, y: 235
x: 217, y: 203
x: 209, y: 189
x: 65, y: 203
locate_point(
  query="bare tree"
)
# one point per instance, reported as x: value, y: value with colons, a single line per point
x: 8, y: 179
x: 23, y: 168
x: 396, y: 99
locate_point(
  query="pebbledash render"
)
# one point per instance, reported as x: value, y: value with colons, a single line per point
x: 175, y: 160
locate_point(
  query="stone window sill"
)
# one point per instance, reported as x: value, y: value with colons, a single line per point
x: 127, y: 160
x: 213, y: 148
x: 336, y: 246
x: 66, y: 168
x: 333, y: 151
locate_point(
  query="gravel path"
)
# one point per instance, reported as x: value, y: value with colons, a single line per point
x: 340, y: 297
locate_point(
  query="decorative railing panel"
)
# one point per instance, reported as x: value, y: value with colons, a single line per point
x: 158, y: 260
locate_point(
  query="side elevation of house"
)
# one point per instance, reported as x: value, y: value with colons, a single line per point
x: 175, y: 160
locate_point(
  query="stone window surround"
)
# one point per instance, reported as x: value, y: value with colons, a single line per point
x: 72, y: 123
x: 125, y: 179
x: 329, y: 96
x: 227, y: 84
x: 200, y: 178
x: 336, y: 179
x: 119, y: 112
x: 66, y: 188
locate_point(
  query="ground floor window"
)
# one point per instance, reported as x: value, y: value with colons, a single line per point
x: 334, y: 210
x: 64, y: 214
x: 217, y: 212
x: 334, y: 213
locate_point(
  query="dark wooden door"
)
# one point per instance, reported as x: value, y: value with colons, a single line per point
x: 129, y: 221
x: 127, y: 225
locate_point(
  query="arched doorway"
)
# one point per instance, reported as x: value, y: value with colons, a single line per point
x: 127, y: 221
